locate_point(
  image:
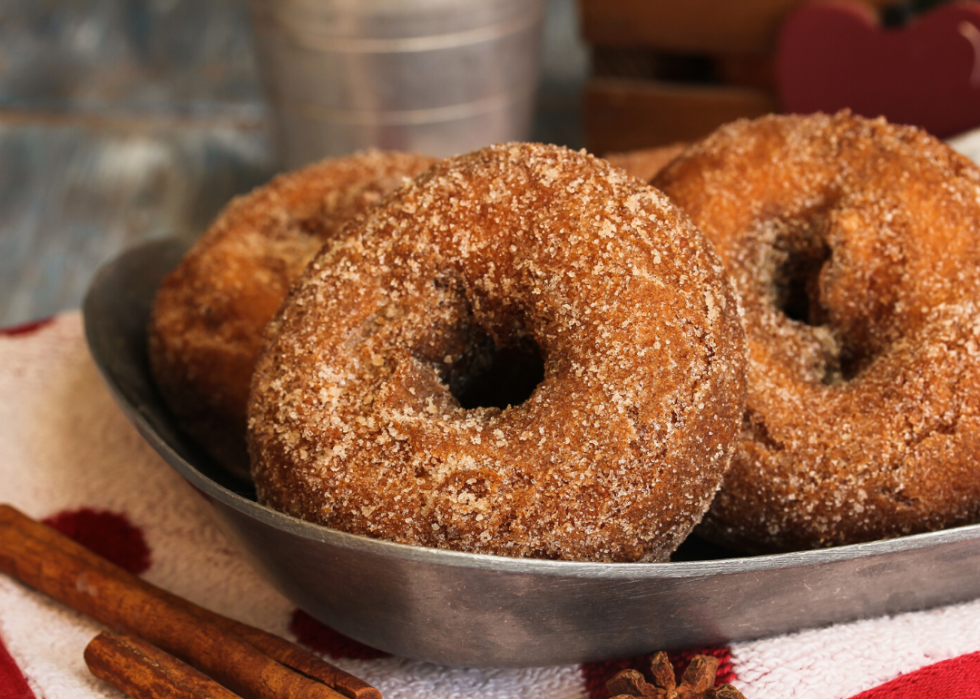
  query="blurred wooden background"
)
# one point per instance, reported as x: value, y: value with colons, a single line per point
x: 665, y: 71
x: 127, y: 120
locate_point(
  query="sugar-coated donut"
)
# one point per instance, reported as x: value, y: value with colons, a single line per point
x: 206, y: 329
x: 855, y: 248
x: 354, y: 419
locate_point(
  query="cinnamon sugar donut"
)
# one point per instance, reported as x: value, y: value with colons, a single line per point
x: 362, y: 418
x: 209, y: 314
x: 854, y: 247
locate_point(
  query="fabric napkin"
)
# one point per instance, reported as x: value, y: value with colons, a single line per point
x: 68, y: 456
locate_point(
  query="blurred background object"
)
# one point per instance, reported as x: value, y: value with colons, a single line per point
x: 120, y: 121
x: 128, y: 120
x: 664, y: 71
x: 431, y: 76
x: 922, y: 70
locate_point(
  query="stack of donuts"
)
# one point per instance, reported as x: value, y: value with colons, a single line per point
x: 529, y: 351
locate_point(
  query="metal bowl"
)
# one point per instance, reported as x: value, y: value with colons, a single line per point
x: 476, y: 610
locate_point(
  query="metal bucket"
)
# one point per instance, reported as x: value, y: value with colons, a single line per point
x: 434, y: 76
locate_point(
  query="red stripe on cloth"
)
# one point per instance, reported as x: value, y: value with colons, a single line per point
x: 13, y: 685
x: 25, y: 328
x: 109, y: 534
x: 321, y: 638
x: 957, y: 678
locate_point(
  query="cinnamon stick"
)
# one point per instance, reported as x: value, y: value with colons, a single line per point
x: 143, y: 671
x: 281, y: 650
x: 44, y: 558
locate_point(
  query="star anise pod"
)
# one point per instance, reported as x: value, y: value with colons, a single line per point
x: 698, y: 681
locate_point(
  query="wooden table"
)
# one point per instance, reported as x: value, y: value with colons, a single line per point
x: 127, y: 120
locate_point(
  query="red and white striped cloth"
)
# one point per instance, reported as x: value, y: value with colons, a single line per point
x: 67, y: 455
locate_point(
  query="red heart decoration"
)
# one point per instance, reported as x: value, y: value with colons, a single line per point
x: 836, y: 55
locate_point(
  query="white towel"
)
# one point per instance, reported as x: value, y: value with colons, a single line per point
x: 66, y: 451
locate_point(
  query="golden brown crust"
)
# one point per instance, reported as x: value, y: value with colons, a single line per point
x: 854, y: 247
x: 206, y: 329
x: 644, y: 164
x: 617, y: 452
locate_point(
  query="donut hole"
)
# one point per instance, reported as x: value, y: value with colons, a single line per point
x: 797, y: 253
x: 800, y: 254
x: 488, y: 376
x: 796, y: 282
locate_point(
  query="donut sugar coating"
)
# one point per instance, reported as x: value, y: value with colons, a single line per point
x: 854, y: 247
x: 206, y: 326
x: 357, y: 417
